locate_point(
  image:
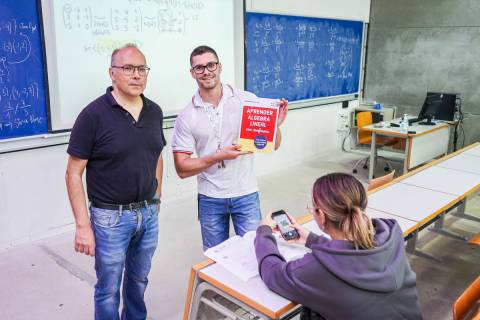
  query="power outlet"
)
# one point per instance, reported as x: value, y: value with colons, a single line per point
x: 343, y: 121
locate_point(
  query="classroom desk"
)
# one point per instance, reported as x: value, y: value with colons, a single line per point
x: 407, y: 226
x: 426, y: 194
x: 250, y: 295
x: 253, y: 295
x: 462, y: 163
x: 427, y: 143
x: 445, y: 180
x: 473, y: 151
x: 415, y: 200
x: 410, y: 202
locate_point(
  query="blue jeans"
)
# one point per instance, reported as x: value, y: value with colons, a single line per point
x: 214, y: 215
x: 125, y: 243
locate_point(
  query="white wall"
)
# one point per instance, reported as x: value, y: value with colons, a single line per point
x: 33, y: 198
x: 340, y: 9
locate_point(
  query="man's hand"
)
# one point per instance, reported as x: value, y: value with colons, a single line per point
x: 282, y: 111
x: 85, y: 240
x: 231, y: 152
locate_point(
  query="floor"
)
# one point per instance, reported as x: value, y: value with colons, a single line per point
x: 48, y: 280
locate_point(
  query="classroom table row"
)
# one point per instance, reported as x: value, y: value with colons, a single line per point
x: 415, y: 200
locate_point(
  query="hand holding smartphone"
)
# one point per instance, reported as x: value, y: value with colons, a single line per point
x: 284, y: 224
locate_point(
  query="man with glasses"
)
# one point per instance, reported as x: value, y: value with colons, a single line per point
x: 209, y: 126
x: 118, y: 139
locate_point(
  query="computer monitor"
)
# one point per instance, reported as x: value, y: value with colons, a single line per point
x: 440, y: 106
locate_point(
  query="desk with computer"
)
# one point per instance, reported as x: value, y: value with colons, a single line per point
x: 426, y: 136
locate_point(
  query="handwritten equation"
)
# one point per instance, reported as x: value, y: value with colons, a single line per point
x: 293, y: 52
x: 22, y: 94
x: 165, y: 16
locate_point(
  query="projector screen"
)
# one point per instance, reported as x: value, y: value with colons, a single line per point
x: 81, y: 35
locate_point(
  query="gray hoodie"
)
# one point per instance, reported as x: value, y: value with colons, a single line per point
x: 339, y: 282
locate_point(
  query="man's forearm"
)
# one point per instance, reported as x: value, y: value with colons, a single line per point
x: 159, y: 176
x: 76, y: 194
x: 187, y: 167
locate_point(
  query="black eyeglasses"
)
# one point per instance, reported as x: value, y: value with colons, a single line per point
x: 211, y: 66
x: 129, y: 70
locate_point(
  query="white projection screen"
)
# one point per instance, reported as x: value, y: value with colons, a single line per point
x: 80, y: 36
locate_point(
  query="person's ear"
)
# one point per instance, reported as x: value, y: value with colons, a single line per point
x: 110, y: 73
x: 321, y: 218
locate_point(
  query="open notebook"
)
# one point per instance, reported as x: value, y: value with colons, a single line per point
x: 237, y: 254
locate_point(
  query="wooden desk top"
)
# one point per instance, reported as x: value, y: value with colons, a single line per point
x: 396, y: 132
x: 475, y: 151
x: 407, y: 226
x: 411, y: 202
x: 462, y: 162
x: 438, y: 178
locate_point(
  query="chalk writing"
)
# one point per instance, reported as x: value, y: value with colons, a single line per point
x: 298, y: 57
x: 22, y: 90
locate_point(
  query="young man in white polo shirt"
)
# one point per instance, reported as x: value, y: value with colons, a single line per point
x: 209, y: 126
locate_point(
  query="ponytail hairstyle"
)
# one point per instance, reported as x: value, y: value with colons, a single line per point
x: 343, y: 199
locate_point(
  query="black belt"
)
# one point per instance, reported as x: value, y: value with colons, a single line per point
x: 128, y: 206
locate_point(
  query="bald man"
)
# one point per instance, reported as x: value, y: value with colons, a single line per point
x: 118, y: 138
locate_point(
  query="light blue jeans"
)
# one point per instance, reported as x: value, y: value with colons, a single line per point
x: 214, y: 215
x: 125, y: 243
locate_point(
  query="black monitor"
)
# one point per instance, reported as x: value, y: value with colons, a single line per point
x: 440, y: 106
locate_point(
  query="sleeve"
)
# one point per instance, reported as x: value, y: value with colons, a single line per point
x: 82, y: 137
x: 311, y: 239
x: 277, y: 274
x: 161, y: 126
x: 183, y: 140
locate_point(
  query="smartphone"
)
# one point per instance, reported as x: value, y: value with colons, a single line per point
x: 283, y: 222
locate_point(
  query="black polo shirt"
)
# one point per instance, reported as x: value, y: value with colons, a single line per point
x: 122, y: 153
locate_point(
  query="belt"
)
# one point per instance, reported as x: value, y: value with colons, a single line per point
x: 128, y: 206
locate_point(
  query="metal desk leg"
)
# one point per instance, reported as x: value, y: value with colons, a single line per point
x: 405, y: 161
x: 460, y: 213
x: 411, y: 248
x: 438, y: 228
x: 199, y: 298
x: 373, y: 151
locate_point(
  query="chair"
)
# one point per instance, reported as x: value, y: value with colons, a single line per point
x: 475, y: 240
x: 380, y: 181
x: 467, y: 305
x: 365, y: 137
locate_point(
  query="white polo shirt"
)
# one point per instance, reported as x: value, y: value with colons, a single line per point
x: 195, y: 132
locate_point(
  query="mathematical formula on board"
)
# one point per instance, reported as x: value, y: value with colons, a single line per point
x: 130, y: 18
x: 300, y: 58
x: 22, y: 99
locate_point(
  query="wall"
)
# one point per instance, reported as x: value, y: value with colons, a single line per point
x: 415, y: 46
x: 33, y: 198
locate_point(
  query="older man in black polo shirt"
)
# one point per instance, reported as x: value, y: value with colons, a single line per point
x: 118, y: 138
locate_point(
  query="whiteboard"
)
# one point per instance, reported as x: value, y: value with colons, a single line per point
x: 80, y: 36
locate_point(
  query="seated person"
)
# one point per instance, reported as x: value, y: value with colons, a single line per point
x: 361, y: 273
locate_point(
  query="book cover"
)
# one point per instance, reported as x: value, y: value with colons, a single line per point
x: 258, y: 127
